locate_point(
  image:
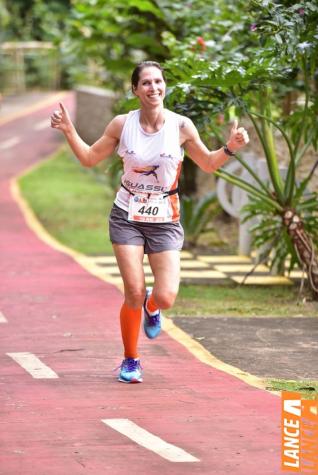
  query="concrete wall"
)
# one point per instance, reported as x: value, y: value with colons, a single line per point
x: 93, y: 111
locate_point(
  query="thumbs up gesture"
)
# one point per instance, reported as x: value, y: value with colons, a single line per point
x: 60, y: 119
x: 238, y: 138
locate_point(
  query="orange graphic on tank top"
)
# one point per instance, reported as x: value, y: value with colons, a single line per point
x: 147, y: 171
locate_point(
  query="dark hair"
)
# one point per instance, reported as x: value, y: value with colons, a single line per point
x: 144, y: 64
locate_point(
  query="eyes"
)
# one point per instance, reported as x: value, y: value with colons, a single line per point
x: 146, y: 82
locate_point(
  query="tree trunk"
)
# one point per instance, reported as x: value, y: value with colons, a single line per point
x: 304, y: 247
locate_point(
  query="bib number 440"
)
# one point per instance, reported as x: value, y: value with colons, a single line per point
x: 149, y: 210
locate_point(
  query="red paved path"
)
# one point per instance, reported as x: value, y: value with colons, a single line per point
x: 69, y: 319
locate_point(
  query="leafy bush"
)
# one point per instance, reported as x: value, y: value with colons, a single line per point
x: 196, y: 216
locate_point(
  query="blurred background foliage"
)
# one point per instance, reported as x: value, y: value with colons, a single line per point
x: 214, y: 54
x: 25, y: 20
x: 217, y: 56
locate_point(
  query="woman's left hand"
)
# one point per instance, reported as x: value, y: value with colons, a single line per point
x: 238, y: 138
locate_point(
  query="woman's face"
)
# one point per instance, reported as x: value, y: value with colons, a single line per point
x: 151, y: 88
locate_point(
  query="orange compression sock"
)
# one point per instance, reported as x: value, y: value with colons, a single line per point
x: 130, y: 319
x: 151, y: 305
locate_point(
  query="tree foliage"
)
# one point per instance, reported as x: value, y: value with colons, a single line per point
x: 119, y: 33
x: 24, y: 20
x: 275, y: 56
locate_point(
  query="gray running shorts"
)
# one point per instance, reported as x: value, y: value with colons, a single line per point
x: 156, y: 237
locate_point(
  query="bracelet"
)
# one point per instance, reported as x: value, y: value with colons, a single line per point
x: 227, y: 151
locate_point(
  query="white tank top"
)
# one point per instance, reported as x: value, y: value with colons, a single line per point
x: 152, y: 162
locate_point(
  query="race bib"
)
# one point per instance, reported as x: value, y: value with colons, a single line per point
x: 154, y: 209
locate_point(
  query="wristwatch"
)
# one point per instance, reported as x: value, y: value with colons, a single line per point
x: 227, y: 151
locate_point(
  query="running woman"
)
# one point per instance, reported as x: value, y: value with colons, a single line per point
x: 145, y: 216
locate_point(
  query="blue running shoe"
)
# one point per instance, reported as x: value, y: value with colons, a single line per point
x: 152, y: 323
x: 130, y: 371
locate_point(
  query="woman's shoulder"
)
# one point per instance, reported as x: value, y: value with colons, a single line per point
x: 118, y: 122
x: 116, y: 125
x: 121, y: 119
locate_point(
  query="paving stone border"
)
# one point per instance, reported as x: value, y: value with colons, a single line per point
x: 208, y: 269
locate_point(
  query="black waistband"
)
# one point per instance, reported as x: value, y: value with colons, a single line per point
x: 165, y: 193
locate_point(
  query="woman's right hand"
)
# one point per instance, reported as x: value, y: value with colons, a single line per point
x: 60, y: 119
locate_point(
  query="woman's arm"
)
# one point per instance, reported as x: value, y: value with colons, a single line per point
x: 100, y: 150
x: 209, y: 161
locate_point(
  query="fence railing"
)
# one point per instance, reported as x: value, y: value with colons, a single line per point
x: 28, y: 65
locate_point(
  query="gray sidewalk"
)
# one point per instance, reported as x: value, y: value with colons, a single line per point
x: 267, y: 347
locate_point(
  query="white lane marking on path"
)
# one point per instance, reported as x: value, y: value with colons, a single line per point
x: 44, y: 124
x: 149, y: 441
x: 9, y: 143
x: 3, y: 318
x: 33, y: 365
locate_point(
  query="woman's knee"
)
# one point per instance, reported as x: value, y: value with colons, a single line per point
x: 165, y: 299
x: 135, y: 296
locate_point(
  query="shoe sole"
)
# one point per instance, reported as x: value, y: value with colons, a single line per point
x: 133, y: 381
x: 148, y: 290
x: 151, y: 337
x: 144, y: 325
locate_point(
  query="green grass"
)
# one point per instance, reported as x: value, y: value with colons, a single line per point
x: 70, y: 203
x: 241, y: 301
x: 308, y: 389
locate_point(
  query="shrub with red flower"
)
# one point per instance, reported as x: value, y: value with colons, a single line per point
x: 201, y: 43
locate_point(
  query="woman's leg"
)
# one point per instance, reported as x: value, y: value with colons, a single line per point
x: 166, y: 270
x: 130, y: 263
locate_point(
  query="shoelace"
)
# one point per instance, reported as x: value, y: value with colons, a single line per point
x: 153, y: 320
x: 129, y: 364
